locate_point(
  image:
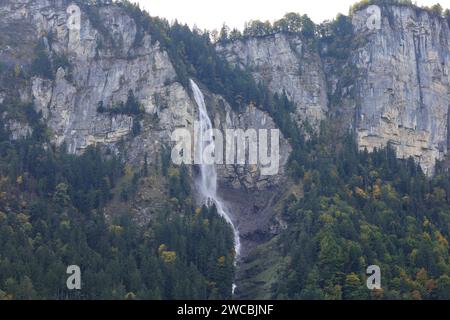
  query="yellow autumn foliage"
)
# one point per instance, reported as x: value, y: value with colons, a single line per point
x: 376, y: 191
x: 360, y: 192
x: 221, y: 261
x: 169, y: 256
x: 115, y: 229
x: 441, y: 239
x: 162, y: 248
x: 173, y: 172
x: 23, y: 218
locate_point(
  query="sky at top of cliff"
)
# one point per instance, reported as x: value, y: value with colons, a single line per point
x: 211, y: 14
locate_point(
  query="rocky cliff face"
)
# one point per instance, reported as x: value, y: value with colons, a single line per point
x: 397, y: 91
x: 103, y: 68
x: 402, y: 94
x: 284, y: 63
x: 399, y: 94
x: 104, y: 65
x: 248, y: 177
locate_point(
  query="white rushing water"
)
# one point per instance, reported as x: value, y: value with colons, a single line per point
x: 208, y: 174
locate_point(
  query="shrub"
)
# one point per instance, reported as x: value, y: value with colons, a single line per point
x: 41, y: 65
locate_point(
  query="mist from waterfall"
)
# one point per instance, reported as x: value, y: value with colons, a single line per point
x: 207, y: 181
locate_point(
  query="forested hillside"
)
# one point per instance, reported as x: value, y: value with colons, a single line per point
x: 336, y: 209
x: 51, y: 216
x: 361, y: 209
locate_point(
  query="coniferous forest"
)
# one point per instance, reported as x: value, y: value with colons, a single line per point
x: 356, y: 208
x: 51, y: 217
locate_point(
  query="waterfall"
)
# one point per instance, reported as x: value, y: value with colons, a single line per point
x: 208, y: 175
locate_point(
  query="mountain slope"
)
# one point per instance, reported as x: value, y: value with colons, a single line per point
x: 87, y: 178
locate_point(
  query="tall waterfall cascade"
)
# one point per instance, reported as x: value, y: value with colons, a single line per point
x: 207, y: 181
